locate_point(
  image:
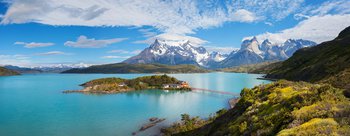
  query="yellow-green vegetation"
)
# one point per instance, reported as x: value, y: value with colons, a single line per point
x: 259, y: 68
x: 139, y: 68
x: 283, y: 108
x: 316, y: 126
x: 188, y: 123
x: 116, y: 85
x: 7, y: 72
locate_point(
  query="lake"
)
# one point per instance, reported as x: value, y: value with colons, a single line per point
x: 34, y: 105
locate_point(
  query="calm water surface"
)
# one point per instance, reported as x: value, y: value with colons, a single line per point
x: 34, y: 105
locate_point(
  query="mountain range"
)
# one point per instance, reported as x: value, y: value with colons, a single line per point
x: 138, y: 68
x: 55, y: 68
x: 172, y: 53
x: 184, y: 52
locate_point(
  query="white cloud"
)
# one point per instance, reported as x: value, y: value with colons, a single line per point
x: 115, y: 57
x: 125, y: 51
x: 329, y: 7
x: 119, y: 51
x: 84, y: 42
x: 270, y: 10
x: 17, y: 60
x: 174, y: 17
x: 268, y: 23
x: 34, y: 44
x: 300, y: 16
x: 136, y: 52
x: 147, y: 32
x: 173, y: 37
x: 52, y: 53
x: 315, y: 28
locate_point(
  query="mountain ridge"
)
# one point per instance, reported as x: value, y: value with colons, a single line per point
x: 138, y: 68
x: 184, y: 52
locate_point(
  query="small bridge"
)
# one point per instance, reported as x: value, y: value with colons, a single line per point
x: 215, y: 91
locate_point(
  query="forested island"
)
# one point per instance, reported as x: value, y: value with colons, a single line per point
x: 118, y: 85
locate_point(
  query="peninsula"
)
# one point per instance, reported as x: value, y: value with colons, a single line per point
x: 7, y: 72
x: 118, y: 85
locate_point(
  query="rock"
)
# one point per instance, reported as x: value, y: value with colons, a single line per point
x: 233, y: 102
x: 153, y: 119
x: 153, y: 122
x: 147, y: 126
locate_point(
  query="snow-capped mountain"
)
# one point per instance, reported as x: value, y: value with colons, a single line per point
x: 251, y: 45
x: 291, y: 45
x: 272, y: 51
x: 249, y: 53
x: 50, y: 68
x: 217, y: 56
x: 184, y: 52
x: 252, y: 51
x: 172, y: 53
x: 57, y: 68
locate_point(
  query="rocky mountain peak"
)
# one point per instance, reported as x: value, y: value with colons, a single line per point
x: 251, y: 45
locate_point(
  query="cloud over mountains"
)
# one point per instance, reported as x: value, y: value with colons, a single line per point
x: 179, y: 19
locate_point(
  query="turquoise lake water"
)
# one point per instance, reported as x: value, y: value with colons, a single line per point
x: 34, y: 105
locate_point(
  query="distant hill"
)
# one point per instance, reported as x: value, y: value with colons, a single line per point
x: 259, y: 68
x: 22, y: 69
x: 138, y: 68
x: 7, y: 72
x: 328, y: 62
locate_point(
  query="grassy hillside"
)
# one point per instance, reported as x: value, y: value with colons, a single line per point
x: 327, y: 62
x: 260, y: 68
x: 7, y: 72
x: 280, y: 108
x: 139, y: 68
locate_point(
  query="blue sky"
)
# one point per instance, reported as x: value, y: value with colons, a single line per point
x: 42, y: 32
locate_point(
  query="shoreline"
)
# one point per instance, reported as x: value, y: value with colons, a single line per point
x: 269, y: 79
